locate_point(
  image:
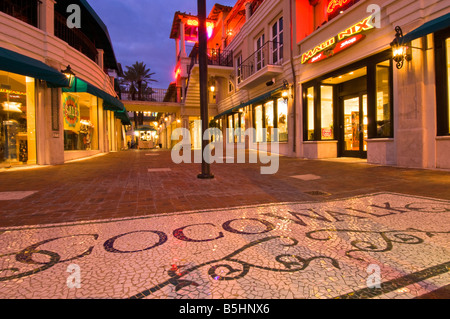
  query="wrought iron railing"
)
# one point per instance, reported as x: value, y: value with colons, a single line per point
x: 154, y: 95
x: 267, y: 54
x: 74, y: 37
x: 215, y: 57
x: 24, y: 10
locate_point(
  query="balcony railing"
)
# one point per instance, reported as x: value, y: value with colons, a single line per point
x: 74, y: 37
x: 214, y: 56
x: 24, y: 10
x: 269, y: 54
x: 154, y: 95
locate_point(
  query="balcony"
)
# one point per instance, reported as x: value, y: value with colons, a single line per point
x: 173, y: 94
x: 24, y: 10
x: 74, y: 37
x: 215, y: 57
x: 264, y: 64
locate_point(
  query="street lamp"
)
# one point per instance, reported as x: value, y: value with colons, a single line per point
x: 70, y: 75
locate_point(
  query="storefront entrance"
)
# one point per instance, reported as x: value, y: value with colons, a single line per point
x: 350, y: 106
x: 354, y: 126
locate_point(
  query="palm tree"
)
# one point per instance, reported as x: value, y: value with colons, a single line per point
x: 138, y: 75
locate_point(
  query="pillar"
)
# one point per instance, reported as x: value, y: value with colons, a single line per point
x: 47, y: 16
x: 182, y: 40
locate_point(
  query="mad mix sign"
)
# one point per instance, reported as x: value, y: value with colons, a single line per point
x: 342, y: 41
x: 383, y: 244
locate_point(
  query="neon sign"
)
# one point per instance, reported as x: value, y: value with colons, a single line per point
x: 191, y: 29
x: 342, y: 41
x: 335, y: 5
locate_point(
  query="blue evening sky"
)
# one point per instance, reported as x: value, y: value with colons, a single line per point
x: 140, y: 30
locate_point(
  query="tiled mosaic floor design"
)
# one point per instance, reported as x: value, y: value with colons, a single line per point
x: 330, y: 249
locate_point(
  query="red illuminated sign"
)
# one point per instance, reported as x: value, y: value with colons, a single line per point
x: 340, y: 46
x: 336, y: 5
x: 342, y: 41
x: 191, y: 29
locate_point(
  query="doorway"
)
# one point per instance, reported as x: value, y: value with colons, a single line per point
x: 353, y: 110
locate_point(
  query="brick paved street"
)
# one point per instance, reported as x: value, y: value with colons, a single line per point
x: 316, y: 229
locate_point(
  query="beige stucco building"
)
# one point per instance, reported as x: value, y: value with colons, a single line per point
x: 46, y: 117
x: 323, y: 72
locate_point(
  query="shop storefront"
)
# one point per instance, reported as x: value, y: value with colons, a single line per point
x: 351, y: 105
x: 23, y: 81
x: 80, y: 112
x: 17, y: 120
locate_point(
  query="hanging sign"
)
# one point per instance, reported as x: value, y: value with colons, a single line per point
x: 71, y: 112
x: 339, y: 43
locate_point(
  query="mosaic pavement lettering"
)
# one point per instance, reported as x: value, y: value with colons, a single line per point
x: 382, y: 245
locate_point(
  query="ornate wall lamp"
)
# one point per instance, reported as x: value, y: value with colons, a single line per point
x: 400, y: 51
x: 70, y: 75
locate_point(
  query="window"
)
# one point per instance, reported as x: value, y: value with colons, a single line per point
x: 277, y: 41
x: 260, y: 59
x: 269, y: 120
x: 282, y: 111
x: 383, y: 109
x: 242, y: 122
x: 326, y: 112
x: 17, y: 120
x: 258, y: 123
x: 239, y: 69
x: 230, y: 129
x: 310, y: 113
x: 442, y: 58
x: 80, y: 122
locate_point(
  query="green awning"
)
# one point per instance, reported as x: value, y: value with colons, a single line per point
x: 110, y: 103
x: 14, y: 62
x: 123, y: 116
x: 145, y: 128
x: 252, y: 101
x: 429, y: 27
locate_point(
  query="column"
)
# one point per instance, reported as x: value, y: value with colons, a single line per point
x: 100, y: 58
x: 183, y: 40
x: 248, y: 11
x: 47, y: 16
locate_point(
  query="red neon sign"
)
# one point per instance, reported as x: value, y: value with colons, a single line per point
x: 340, y: 46
x: 336, y: 5
x: 338, y: 43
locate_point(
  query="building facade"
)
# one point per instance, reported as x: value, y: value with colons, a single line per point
x: 356, y: 98
x: 57, y: 96
x: 351, y: 78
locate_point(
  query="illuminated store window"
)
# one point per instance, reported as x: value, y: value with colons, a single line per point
x: 383, y: 109
x: 80, y: 113
x: 326, y: 106
x: 447, y: 55
x: 237, y: 135
x: 242, y: 123
x: 269, y: 120
x: 230, y: 129
x: 310, y: 113
x: 258, y: 123
x: 282, y: 110
x: 17, y: 120
x: 442, y: 62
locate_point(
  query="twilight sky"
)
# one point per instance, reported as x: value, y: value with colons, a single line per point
x: 140, y: 30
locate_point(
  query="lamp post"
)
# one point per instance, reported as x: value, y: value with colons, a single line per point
x: 70, y: 75
x: 203, y: 65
